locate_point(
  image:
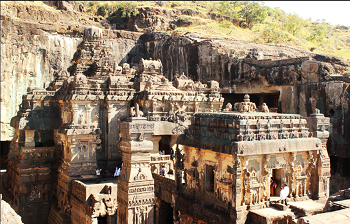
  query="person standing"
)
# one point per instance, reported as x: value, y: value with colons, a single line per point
x: 164, y: 171
x: 273, y: 186
x: 98, y: 174
x: 284, y: 194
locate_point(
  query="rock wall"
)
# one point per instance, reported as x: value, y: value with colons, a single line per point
x: 29, y: 60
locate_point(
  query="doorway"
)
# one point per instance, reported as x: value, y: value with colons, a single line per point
x: 102, y: 220
x: 277, y: 175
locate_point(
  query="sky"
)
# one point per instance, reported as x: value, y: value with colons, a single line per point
x: 334, y: 12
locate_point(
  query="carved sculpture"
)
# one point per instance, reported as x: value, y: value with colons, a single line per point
x: 245, y: 106
x: 265, y: 108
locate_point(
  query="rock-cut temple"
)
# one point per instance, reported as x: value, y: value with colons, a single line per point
x: 220, y: 160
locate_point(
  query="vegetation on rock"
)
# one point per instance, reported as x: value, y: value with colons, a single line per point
x: 249, y: 21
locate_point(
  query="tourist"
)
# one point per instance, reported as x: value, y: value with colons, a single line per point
x: 161, y: 171
x: 117, y: 172
x: 284, y: 193
x: 98, y: 174
x: 273, y: 186
x: 164, y: 171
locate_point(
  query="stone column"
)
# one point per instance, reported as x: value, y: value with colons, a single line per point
x: 136, y: 185
x: 155, y: 139
x: 319, y: 124
x: 173, y: 141
x: 75, y: 113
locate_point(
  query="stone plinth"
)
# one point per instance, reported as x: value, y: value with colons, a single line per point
x: 136, y: 185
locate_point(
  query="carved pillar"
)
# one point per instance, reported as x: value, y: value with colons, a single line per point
x: 319, y: 125
x: 292, y: 182
x: 136, y: 185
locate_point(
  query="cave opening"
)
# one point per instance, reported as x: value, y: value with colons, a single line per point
x: 271, y: 99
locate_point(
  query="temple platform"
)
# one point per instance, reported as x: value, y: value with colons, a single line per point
x: 271, y: 215
x: 306, y: 208
x: 340, y: 217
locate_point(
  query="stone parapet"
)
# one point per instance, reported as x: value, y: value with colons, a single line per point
x: 250, y: 126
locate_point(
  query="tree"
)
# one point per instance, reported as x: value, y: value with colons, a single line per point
x: 230, y: 8
x: 253, y: 13
x: 294, y: 23
x: 320, y: 31
x: 272, y: 34
x: 124, y: 11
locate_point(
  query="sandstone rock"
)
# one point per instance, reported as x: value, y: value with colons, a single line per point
x: 309, y: 67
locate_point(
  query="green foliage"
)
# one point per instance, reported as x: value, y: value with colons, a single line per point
x: 230, y: 8
x: 272, y: 34
x: 128, y: 9
x: 226, y: 24
x: 294, y: 23
x: 320, y: 32
x: 92, y: 9
x: 103, y: 10
x: 253, y: 13
x: 123, y: 12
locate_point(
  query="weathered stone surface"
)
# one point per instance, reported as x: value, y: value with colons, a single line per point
x: 8, y: 215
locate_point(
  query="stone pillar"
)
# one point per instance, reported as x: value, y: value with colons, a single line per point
x: 318, y: 125
x: 88, y: 114
x: 155, y: 139
x: 75, y: 114
x: 136, y: 185
x: 173, y: 141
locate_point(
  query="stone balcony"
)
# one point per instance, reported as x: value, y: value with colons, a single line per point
x: 158, y: 160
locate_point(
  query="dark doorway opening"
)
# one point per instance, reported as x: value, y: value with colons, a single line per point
x: 346, y: 167
x: 5, y: 148
x: 334, y: 161
x: 277, y: 175
x: 271, y: 99
x: 102, y: 220
x: 164, y: 144
x: 165, y: 212
x: 209, y: 178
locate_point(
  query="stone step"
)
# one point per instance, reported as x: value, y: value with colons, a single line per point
x: 279, y: 205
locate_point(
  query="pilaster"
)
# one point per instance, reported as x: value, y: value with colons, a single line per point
x: 136, y: 185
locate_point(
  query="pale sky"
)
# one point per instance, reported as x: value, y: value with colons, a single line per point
x: 334, y: 12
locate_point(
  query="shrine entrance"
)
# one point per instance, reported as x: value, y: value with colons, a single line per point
x: 277, y: 175
x: 102, y: 220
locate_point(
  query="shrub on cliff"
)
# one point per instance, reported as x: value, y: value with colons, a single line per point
x: 123, y: 12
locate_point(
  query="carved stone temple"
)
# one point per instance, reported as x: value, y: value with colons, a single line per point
x: 231, y: 156
x: 98, y: 114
